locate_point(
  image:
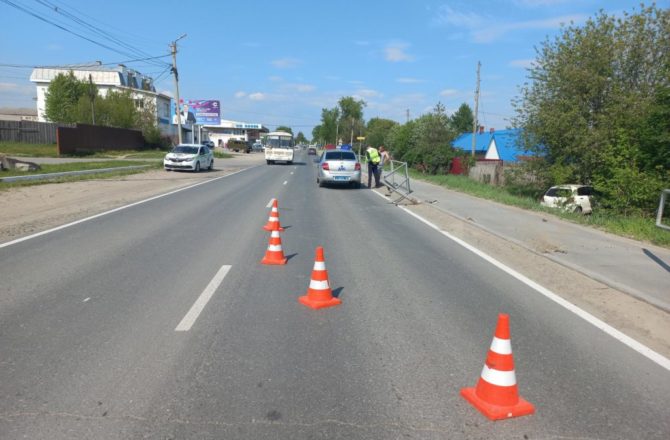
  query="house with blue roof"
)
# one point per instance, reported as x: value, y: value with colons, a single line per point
x: 502, y: 145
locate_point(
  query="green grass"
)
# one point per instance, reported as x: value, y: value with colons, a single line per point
x: 28, y: 150
x: 637, y: 228
x: 79, y: 166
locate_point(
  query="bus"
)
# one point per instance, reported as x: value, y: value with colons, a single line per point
x: 279, y: 147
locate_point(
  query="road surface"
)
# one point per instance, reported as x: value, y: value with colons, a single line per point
x: 88, y: 319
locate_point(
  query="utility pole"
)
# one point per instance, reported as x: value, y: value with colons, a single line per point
x: 173, y: 48
x: 475, y: 122
x: 91, y: 94
x: 407, y: 115
x: 351, y: 141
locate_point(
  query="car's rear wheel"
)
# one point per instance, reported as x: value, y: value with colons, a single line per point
x: 197, y: 167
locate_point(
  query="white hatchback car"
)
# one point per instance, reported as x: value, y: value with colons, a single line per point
x: 192, y: 157
x: 574, y: 198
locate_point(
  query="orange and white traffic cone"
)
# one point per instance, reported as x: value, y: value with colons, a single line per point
x: 319, y: 295
x: 496, y: 395
x: 274, y: 254
x: 273, y: 221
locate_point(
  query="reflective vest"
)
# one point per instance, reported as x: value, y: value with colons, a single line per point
x: 373, y: 155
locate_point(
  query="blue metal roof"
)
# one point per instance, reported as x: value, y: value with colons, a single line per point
x: 507, y: 143
x: 464, y: 142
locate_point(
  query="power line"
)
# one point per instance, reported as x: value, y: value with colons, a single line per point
x: 70, y: 31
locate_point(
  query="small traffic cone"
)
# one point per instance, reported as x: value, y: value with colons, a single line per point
x: 273, y: 221
x: 319, y: 295
x: 496, y: 394
x: 274, y: 254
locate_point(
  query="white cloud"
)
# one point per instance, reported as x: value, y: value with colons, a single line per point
x: 240, y: 94
x: 286, y: 63
x: 275, y: 78
x: 368, y: 93
x: 409, y: 80
x: 302, y: 88
x: 524, y: 64
x: 8, y: 86
x: 258, y: 96
x: 491, y: 33
x: 396, y: 53
x: 449, y: 92
x: 486, y: 28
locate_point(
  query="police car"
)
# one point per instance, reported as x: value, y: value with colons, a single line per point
x: 339, y: 166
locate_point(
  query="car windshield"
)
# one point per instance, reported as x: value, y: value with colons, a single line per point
x: 340, y: 155
x: 183, y: 149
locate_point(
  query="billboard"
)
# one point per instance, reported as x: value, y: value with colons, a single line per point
x: 206, y: 112
x: 202, y: 112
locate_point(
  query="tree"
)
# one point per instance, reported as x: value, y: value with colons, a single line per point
x: 300, y: 138
x: 597, y: 91
x: 377, y: 129
x: 285, y: 128
x: 62, y: 98
x: 326, y: 132
x: 463, y: 120
x: 351, y: 118
x: 434, y: 136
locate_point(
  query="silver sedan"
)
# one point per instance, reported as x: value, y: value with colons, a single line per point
x: 339, y: 167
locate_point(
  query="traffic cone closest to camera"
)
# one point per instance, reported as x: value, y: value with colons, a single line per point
x: 273, y: 221
x: 496, y: 395
x: 274, y: 254
x: 319, y: 295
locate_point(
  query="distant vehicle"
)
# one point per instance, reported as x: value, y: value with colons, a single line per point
x: 209, y: 144
x: 572, y: 197
x: 311, y: 151
x: 257, y: 146
x: 279, y: 147
x: 238, y: 146
x: 191, y: 157
x: 339, y: 167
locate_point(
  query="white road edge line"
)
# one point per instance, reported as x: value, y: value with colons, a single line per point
x: 616, y: 334
x: 285, y: 182
x: 120, y: 208
x: 269, y: 205
x: 200, y: 303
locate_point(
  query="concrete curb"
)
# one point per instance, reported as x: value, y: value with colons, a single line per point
x: 69, y: 173
x: 593, y: 275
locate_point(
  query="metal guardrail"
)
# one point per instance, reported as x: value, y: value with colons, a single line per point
x: 68, y: 173
x: 397, y: 180
x: 659, y: 216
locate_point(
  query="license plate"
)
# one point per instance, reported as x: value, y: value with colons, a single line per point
x: 342, y: 178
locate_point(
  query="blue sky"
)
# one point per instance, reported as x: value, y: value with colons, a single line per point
x: 280, y: 63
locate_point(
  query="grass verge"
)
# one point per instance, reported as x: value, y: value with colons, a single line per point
x: 637, y: 228
x: 76, y: 167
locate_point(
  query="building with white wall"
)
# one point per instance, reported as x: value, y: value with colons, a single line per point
x: 119, y: 78
x: 226, y: 130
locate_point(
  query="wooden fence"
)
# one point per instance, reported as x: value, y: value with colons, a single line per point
x: 85, y: 138
x: 28, y: 132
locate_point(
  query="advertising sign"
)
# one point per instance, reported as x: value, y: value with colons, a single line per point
x: 198, y: 112
x: 206, y: 112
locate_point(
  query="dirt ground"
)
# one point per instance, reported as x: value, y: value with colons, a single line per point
x: 32, y: 209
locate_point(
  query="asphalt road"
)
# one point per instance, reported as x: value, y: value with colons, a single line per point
x: 88, y: 347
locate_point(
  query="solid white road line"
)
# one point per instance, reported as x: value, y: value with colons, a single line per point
x: 616, y: 334
x: 197, y: 308
x: 285, y: 182
x: 121, y: 208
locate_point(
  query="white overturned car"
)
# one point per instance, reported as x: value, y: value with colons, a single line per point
x: 192, y: 157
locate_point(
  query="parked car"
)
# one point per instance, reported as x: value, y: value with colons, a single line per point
x: 257, y: 146
x: 209, y: 144
x: 575, y: 198
x: 311, y: 151
x: 339, y: 167
x: 191, y: 157
x: 239, y: 145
